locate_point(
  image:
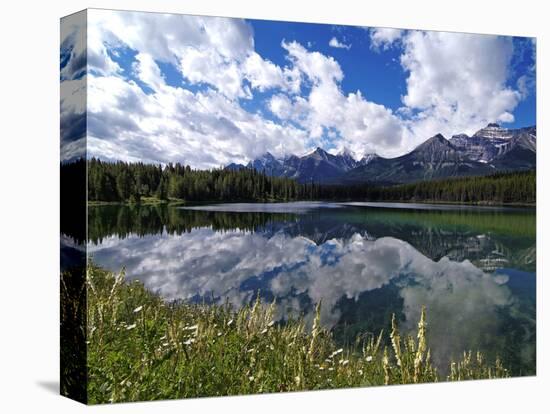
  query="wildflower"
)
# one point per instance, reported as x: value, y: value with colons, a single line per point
x: 369, y: 358
x: 191, y: 328
x: 344, y: 362
x: 230, y: 322
x: 251, y: 378
x: 138, y: 309
x: 189, y: 341
x: 360, y: 372
x: 251, y: 350
x: 132, y: 326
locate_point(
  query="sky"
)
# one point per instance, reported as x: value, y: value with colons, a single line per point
x: 208, y: 91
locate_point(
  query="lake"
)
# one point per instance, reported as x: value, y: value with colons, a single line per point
x: 473, y: 268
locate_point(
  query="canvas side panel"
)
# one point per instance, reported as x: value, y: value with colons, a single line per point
x: 73, y: 125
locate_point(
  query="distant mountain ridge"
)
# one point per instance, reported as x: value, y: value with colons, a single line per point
x: 489, y: 150
x: 492, y: 141
x: 317, y: 166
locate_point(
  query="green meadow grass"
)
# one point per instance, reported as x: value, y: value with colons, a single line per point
x: 143, y: 348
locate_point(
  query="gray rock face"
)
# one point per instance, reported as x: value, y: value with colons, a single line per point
x: 435, y: 158
x: 475, y: 148
x: 492, y: 141
x: 318, y: 166
x: 267, y: 163
x: 495, y: 132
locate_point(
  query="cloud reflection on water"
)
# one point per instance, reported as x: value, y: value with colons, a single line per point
x: 462, y: 300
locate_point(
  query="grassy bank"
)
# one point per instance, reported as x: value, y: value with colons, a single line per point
x: 142, y: 348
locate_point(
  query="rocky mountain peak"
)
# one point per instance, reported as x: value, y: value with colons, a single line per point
x: 435, y: 142
x: 494, y: 131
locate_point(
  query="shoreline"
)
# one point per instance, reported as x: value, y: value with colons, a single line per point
x: 149, y: 202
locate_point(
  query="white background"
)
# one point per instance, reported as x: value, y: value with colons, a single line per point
x: 29, y: 208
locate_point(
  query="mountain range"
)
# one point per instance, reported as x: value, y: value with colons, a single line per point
x: 489, y: 150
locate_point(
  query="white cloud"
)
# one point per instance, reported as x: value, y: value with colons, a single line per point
x: 262, y: 73
x: 457, y: 81
x: 384, y: 38
x: 363, y: 126
x: 207, y: 65
x: 73, y: 47
x: 73, y: 88
x: 167, y: 36
x: 148, y: 71
x: 203, y: 129
x: 339, y: 45
x: 281, y: 106
x: 316, y: 66
x: 212, y: 50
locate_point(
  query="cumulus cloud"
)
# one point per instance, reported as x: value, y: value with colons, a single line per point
x: 148, y: 71
x: 212, y: 50
x: 206, y: 128
x: 338, y: 45
x: 281, y: 106
x: 384, y: 38
x: 364, y: 126
x: 73, y: 48
x: 457, y: 82
x: 73, y: 88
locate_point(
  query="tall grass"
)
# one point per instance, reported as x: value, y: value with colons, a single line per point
x: 142, y: 348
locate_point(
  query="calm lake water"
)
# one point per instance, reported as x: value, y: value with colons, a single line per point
x: 473, y: 268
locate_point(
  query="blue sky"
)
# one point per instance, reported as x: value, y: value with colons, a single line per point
x: 378, y: 75
x: 209, y: 91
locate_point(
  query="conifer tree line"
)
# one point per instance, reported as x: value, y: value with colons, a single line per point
x: 511, y: 187
x: 121, y: 181
x: 129, y: 182
x: 504, y: 187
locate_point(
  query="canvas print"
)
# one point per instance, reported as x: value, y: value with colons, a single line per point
x: 253, y: 206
